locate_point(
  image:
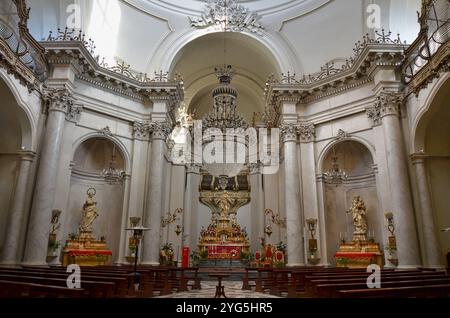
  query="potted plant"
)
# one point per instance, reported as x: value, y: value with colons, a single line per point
x: 195, y: 258
x: 53, y: 247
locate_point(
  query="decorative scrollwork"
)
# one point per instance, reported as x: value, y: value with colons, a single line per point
x: 171, y: 217
x: 121, y: 67
x: 276, y: 218
x: 228, y: 15
x: 335, y: 67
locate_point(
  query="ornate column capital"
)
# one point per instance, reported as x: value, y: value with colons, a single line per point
x: 159, y: 130
x: 387, y: 104
x: 141, y: 130
x: 62, y: 100
x: 193, y: 169
x: 289, y: 132
x: 307, y: 132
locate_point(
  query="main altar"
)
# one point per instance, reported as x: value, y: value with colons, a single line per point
x: 360, y: 252
x: 224, y: 239
x: 83, y: 249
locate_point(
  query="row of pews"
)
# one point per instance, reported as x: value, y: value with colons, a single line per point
x: 316, y: 282
x: 96, y: 282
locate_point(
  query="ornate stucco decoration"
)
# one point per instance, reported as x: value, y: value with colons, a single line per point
x: 307, y: 132
x: 289, y: 132
x: 141, y: 130
x: 335, y: 77
x: 387, y: 103
x: 106, y: 131
x: 159, y: 130
x: 70, y: 46
x: 228, y: 15
x: 61, y: 99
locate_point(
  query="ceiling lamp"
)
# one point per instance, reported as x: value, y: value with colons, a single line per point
x: 335, y: 175
x: 111, y: 174
x: 224, y: 118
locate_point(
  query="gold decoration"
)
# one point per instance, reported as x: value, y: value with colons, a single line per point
x: 359, y: 253
x: 358, y: 211
x: 171, y: 218
x: 82, y: 248
x: 224, y: 230
x: 276, y: 218
x: 89, y: 214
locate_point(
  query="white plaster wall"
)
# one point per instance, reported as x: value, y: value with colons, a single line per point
x: 439, y: 174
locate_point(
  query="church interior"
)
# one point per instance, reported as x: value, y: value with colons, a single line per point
x: 224, y: 148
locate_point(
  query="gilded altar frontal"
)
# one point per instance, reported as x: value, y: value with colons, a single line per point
x: 229, y: 149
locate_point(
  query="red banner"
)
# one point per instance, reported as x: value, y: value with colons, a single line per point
x: 185, y: 257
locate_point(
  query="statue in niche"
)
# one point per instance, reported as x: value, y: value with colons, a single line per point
x: 358, y: 211
x: 89, y: 212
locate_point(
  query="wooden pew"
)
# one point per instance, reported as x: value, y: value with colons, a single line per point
x: 121, y: 283
x: 12, y: 289
x: 93, y: 289
x: 428, y: 291
x: 251, y: 275
x: 332, y: 290
x: 191, y: 275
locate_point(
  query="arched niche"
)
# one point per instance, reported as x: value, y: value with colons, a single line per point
x: 89, y: 159
x: 15, y: 136
x: 432, y: 137
x: 252, y: 62
x: 356, y: 160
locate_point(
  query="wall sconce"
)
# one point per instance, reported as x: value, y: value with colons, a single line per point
x: 178, y: 230
x: 268, y: 230
x: 171, y: 218
x: 312, y: 242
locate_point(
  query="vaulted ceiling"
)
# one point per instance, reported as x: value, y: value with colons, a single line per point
x: 152, y: 35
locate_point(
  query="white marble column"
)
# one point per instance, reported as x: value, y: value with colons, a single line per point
x: 60, y: 106
x: 432, y: 253
x: 191, y: 171
x: 294, y: 230
x: 401, y: 202
x: 11, y: 254
x: 154, y: 210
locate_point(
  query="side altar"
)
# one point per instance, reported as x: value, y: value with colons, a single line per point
x: 83, y: 249
x: 360, y: 252
x: 224, y: 239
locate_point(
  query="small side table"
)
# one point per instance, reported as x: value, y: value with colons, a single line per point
x: 220, y: 289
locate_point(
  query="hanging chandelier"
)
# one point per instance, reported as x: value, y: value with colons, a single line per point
x: 335, y: 175
x: 111, y: 174
x: 222, y: 118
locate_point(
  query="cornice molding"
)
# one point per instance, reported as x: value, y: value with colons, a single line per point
x: 62, y: 100
x: 77, y: 52
x: 370, y: 55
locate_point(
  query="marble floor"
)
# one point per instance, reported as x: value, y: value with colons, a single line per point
x: 233, y: 289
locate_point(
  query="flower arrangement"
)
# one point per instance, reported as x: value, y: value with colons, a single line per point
x: 281, y: 247
x: 166, y: 255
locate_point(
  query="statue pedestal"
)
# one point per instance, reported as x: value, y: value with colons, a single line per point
x: 359, y: 255
x: 86, y: 252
